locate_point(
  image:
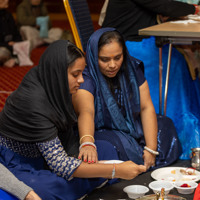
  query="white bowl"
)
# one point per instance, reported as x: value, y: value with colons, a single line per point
x: 185, y: 190
x: 135, y: 191
x: 156, y: 186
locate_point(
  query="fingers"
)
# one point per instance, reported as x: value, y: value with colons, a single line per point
x: 88, y: 154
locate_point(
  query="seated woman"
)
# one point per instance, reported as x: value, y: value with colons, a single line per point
x: 114, y: 105
x: 37, y: 143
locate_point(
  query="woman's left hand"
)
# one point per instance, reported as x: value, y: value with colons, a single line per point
x: 149, y: 159
x: 88, y: 154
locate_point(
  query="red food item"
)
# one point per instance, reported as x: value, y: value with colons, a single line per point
x: 185, y: 185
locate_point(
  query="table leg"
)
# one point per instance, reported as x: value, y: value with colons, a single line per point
x: 160, y: 80
x: 167, y: 77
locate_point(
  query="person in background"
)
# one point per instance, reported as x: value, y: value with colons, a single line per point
x: 37, y: 141
x: 9, y: 183
x: 114, y: 105
x: 35, y: 24
x: 183, y: 101
x: 12, y: 49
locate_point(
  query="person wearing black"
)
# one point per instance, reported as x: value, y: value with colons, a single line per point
x: 128, y: 16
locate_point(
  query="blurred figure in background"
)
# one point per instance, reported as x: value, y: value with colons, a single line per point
x: 12, y: 49
x: 35, y: 24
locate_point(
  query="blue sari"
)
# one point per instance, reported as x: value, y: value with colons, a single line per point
x: 183, y: 102
x: 122, y: 126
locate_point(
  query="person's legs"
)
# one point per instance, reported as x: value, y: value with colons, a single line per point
x: 22, y: 50
x: 6, y: 57
x: 31, y: 34
x: 47, y: 184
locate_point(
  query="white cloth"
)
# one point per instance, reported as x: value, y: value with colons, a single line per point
x: 103, y: 12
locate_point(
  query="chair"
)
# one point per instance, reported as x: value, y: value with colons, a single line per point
x: 80, y: 21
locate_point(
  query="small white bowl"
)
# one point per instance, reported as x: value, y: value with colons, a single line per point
x: 185, y: 190
x: 136, y: 191
x: 156, y: 186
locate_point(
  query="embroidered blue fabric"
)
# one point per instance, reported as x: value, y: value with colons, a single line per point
x: 57, y: 159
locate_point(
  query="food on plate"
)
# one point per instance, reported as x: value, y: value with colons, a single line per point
x: 185, y: 185
x: 173, y: 171
x: 188, y: 171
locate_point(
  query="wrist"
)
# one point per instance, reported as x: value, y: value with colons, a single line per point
x: 85, y: 138
x: 151, y: 151
x: 87, y: 144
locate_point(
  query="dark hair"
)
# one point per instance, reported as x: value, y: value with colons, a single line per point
x: 108, y: 37
x: 73, y: 53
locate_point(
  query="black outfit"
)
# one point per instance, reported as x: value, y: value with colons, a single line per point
x: 41, y: 108
x: 128, y: 16
x: 8, y: 30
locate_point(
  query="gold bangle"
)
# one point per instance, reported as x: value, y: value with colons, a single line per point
x: 86, y: 136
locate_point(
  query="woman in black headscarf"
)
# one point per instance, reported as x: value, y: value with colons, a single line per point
x: 36, y: 130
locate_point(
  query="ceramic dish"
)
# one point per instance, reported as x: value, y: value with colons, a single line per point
x: 156, y: 186
x: 136, y: 191
x: 175, y: 174
x: 185, y: 187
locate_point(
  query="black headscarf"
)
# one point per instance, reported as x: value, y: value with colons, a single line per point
x: 41, y: 107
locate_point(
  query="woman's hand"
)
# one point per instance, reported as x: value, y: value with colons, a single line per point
x: 128, y: 170
x: 32, y: 196
x: 88, y: 154
x: 149, y: 159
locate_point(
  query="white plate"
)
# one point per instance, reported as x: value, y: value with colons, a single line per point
x: 174, y: 174
x: 113, y: 161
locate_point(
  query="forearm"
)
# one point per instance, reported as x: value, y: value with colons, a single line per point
x: 167, y: 8
x: 150, y: 127
x: 126, y: 170
x: 12, y: 185
x: 86, y: 126
x: 96, y: 170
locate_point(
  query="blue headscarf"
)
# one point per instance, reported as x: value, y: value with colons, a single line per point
x: 128, y: 84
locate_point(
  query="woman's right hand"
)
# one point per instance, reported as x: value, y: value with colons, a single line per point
x: 128, y: 170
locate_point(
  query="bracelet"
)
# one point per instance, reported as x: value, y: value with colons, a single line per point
x: 87, y: 143
x: 86, y: 136
x: 151, y: 151
x: 113, y: 171
x: 196, y: 9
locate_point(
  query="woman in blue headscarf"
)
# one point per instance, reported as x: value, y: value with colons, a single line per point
x: 114, y: 104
